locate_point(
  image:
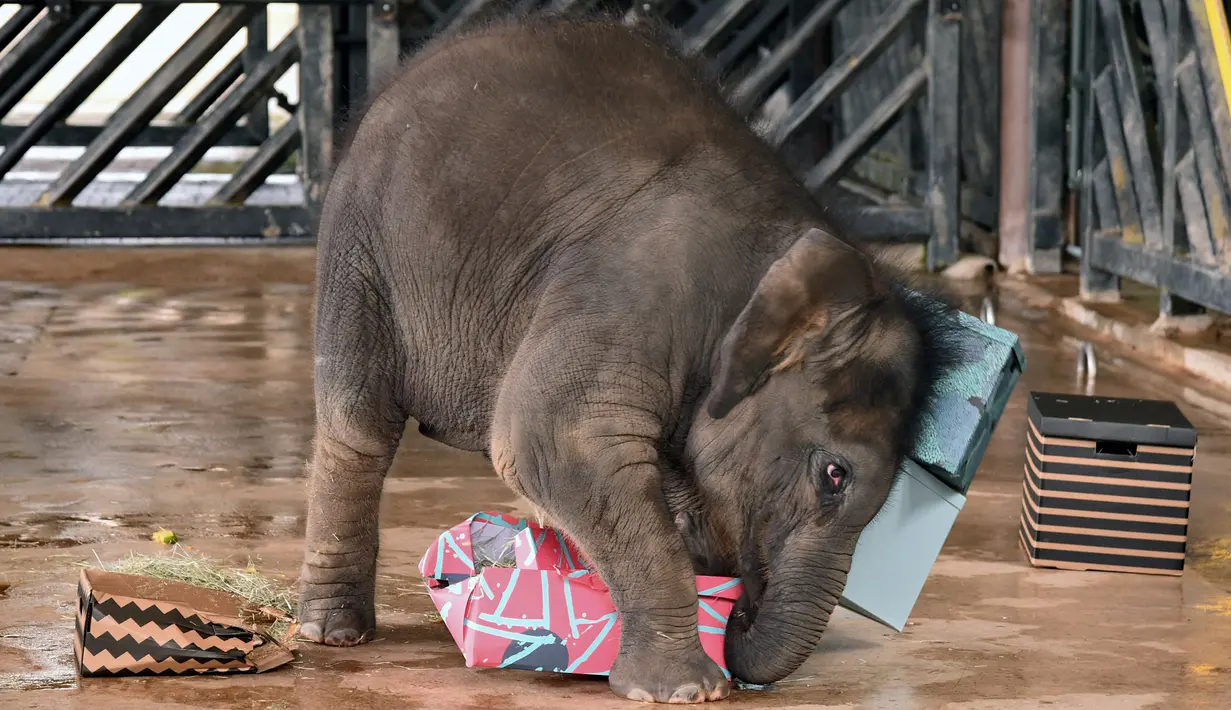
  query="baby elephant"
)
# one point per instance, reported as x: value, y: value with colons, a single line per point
x: 551, y: 241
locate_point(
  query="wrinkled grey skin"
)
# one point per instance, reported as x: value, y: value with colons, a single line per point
x: 551, y: 242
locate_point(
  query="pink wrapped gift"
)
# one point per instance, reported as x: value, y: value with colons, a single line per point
x: 518, y: 595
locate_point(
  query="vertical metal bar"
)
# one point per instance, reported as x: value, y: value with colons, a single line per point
x: 1096, y: 283
x: 252, y: 174
x: 383, y: 43
x: 130, y: 36
x: 1079, y: 82
x: 146, y: 102
x: 189, y: 149
x: 1127, y: 75
x: 1045, y: 235
x: 1166, y: 37
x: 254, y: 52
x: 943, y: 199
x: 223, y: 80
x: 317, y: 92
x: 802, y: 72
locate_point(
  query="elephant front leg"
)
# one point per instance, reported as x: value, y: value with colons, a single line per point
x: 608, y: 499
x: 337, y: 605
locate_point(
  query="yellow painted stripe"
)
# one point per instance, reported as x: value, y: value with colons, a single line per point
x: 1222, y: 44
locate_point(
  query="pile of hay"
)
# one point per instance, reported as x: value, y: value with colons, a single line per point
x: 181, y: 565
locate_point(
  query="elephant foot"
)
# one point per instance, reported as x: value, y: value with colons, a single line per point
x: 334, y: 619
x: 338, y: 627
x: 652, y: 676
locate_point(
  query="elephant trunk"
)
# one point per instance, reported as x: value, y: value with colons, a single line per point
x: 768, y: 639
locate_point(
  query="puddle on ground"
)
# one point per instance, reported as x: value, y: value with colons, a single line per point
x: 48, y: 648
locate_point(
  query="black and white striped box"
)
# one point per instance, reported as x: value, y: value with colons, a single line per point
x: 1107, y: 484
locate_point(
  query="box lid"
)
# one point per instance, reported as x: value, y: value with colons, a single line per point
x: 968, y: 401
x: 1133, y: 421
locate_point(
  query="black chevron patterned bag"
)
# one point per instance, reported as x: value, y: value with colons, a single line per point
x: 134, y: 625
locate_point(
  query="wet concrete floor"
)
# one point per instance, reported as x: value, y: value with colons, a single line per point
x: 183, y: 400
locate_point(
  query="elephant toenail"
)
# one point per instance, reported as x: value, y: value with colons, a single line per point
x: 312, y: 631
x: 687, y: 694
x: 640, y: 695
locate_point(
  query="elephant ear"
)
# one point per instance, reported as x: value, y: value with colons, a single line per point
x: 796, y: 294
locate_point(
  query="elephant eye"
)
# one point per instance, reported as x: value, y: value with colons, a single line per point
x: 835, y: 475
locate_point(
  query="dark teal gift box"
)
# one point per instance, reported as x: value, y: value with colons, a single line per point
x: 969, y: 401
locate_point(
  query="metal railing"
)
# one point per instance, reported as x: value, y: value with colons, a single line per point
x: 1156, y: 155
x: 762, y: 48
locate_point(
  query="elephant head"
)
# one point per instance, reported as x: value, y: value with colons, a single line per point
x: 813, y: 404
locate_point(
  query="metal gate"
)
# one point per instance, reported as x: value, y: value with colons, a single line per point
x: 161, y: 201
x: 1156, y: 151
x: 782, y: 62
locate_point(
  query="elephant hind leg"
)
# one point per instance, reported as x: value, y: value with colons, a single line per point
x: 359, y: 423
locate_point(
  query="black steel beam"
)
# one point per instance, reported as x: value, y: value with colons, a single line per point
x: 752, y: 89
x: 1164, y: 40
x: 253, y: 173
x: 1094, y: 282
x: 1192, y: 203
x: 205, y: 133
x: 944, y: 63
x: 1045, y: 231
x: 1117, y: 157
x: 865, y: 135
x: 130, y: 36
x: 209, y: 95
x: 467, y: 10
x: 1204, y: 143
x: 15, y: 24
x: 1193, y: 282
x: 843, y: 70
x: 318, y: 69
x: 141, y: 222
x: 17, y: 60
x: 1128, y: 89
x: 715, y: 26
x: 254, y: 51
x: 42, y: 3
x: 383, y: 43
x: 63, y: 42
x: 892, y: 224
x: 146, y: 102
x: 78, y: 135
x: 1220, y: 115
x: 1105, y: 198
x: 729, y: 55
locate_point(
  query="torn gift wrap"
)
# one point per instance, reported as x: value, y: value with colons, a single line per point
x: 135, y: 625
x: 515, y: 594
